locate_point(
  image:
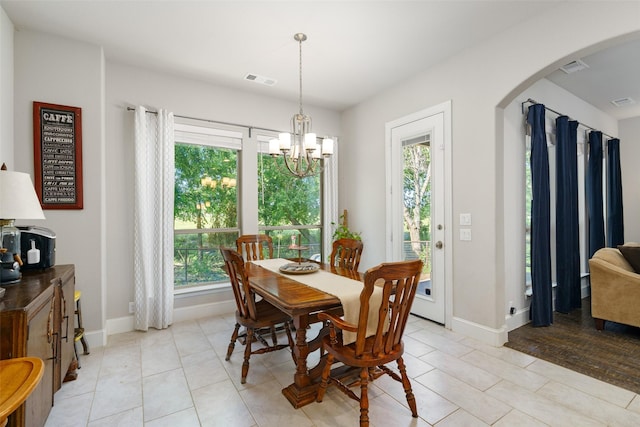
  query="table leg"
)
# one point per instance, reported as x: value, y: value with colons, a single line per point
x: 303, y: 390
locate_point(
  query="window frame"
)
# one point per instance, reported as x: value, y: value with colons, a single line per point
x: 250, y: 144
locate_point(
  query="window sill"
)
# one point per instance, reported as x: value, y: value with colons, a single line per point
x: 201, y: 290
x: 529, y: 289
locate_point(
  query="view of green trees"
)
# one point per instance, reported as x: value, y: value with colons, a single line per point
x: 417, y: 199
x: 207, y: 209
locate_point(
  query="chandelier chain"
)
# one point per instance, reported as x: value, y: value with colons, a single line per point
x: 300, y: 67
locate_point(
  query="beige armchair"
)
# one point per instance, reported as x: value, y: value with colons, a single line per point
x: 615, y: 289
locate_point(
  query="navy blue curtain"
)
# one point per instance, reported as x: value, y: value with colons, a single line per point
x: 541, y: 303
x: 615, y: 223
x: 594, y: 193
x: 567, y: 234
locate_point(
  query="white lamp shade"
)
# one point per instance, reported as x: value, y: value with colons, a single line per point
x: 310, y: 141
x: 327, y: 146
x: 285, y: 141
x: 18, y: 199
x: 274, y: 146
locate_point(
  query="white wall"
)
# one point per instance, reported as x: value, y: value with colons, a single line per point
x: 559, y: 100
x: 480, y: 82
x: 629, y: 133
x: 6, y: 91
x: 61, y: 71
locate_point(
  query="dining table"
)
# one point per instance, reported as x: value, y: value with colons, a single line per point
x: 302, y: 302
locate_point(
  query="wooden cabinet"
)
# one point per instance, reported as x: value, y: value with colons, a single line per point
x: 36, y: 319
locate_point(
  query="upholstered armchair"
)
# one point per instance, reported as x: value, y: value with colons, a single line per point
x: 615, y: 289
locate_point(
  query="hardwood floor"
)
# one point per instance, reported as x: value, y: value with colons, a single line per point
x: 572, y: 341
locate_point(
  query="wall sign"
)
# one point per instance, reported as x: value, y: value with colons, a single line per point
x: 57, y: 155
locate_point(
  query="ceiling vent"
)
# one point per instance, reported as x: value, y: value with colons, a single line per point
x: 623, y: 102
x: 574, y: 66
x: 260, y: 79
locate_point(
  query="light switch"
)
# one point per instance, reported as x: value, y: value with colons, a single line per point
x: 465, y: 234
x: 465, y: 219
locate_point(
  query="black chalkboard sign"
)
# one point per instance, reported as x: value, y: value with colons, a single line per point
x: 57, y: 155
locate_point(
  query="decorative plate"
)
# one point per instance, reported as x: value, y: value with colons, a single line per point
x: 299, y: 268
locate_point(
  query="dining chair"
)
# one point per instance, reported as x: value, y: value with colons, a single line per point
x: 399, y: 281
x: 255, y: 317
x: 346, y: 253
x: 252, y: 246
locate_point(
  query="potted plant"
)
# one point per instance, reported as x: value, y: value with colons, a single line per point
x: 342, y: 230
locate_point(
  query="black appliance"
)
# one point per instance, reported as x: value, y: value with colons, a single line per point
x: 43, y: 240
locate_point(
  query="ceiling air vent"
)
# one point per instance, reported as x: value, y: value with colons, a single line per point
x: 260, y: 79
x: 623, y: 102
x: 574, y: 66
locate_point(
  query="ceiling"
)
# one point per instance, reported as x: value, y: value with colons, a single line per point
x: 354, y: 50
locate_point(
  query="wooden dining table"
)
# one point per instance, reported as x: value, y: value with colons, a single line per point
x: 302, y: 303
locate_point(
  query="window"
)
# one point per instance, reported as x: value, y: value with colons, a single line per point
x: 289, y: 207
x: 206, y: 203
x: 208, y: 209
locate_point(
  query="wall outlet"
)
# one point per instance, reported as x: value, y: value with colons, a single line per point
x: 465, y: 219
x: 132, y: 307
x: 465, y: 234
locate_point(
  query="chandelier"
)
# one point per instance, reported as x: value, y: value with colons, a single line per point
x: 301, y: 150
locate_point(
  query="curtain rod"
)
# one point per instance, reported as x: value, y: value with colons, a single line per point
x: 213, y: 121
x: 533, y: 101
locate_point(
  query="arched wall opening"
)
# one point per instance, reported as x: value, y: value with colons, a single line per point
x: 510, y: 142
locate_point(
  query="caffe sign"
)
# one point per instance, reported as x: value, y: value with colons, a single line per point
x: 57, y: 145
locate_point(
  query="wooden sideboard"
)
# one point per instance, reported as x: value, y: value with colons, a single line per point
x: 36, y: 319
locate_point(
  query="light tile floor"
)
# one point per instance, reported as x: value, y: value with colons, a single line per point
x: 178, y: 377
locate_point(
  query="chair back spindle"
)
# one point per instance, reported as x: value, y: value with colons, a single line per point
x: 253, y: 246
x: 346, y: 253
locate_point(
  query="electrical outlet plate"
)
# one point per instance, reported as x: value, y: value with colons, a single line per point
x: 132, y: 307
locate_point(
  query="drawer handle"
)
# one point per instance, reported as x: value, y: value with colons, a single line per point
x: 50, y: 325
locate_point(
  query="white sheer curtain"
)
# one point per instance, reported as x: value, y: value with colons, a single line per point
x: 153, y: 219
x: 330, y: 200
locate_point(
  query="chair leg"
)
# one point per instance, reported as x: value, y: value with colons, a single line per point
x: 287, y: 329
x: 75, y: 350
x: 325, y: 378
x: 406, y: 384
x: 364, y: 397
x: 232, y: 344
x: 85, y: 346
x: 247, y: 354
x: 83, y: 340
x: 274, y: 337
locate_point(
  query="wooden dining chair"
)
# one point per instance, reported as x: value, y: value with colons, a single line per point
x: 253, y: 246
x: 399, y: 281
x: 254, y: 316
x: 346, y: 253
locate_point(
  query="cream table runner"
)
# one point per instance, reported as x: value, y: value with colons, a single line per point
x: 345, y: 289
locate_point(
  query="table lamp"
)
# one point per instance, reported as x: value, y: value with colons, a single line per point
x: 18, y: 200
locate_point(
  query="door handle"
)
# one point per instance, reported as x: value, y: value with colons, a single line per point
x: 439, y: 244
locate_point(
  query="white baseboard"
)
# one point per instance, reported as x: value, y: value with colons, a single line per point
x: 126, y: 324
x: 520, y: 318
x: 490, y: 336
x: 203, y: 310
